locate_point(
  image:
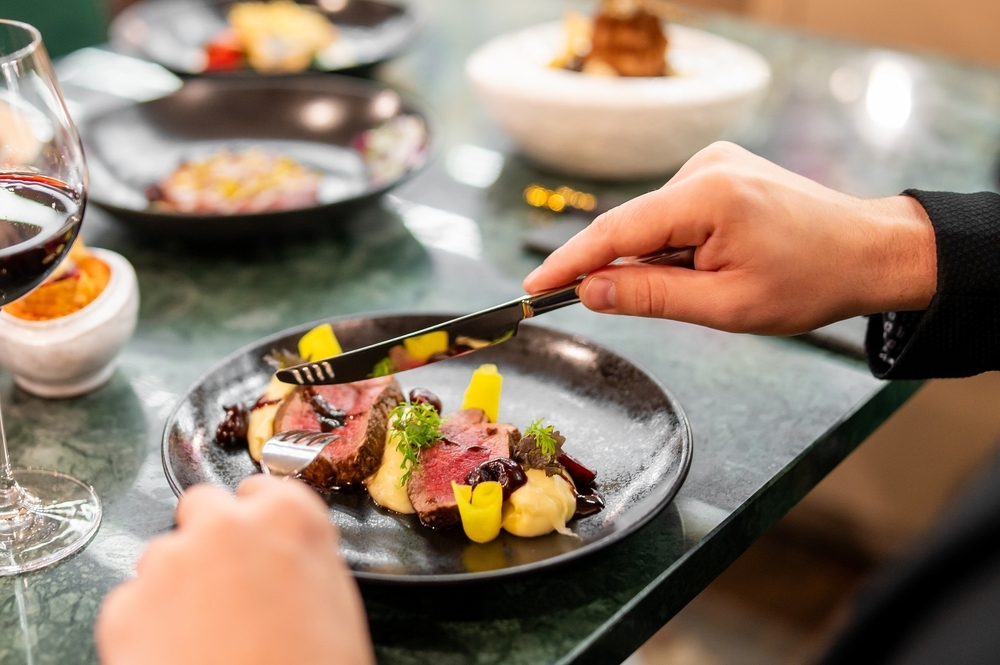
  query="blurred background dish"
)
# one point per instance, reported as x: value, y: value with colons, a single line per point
x: 250, y: 156
x: 56, y: 354
x: 612, y: 127
x: 198, y: 36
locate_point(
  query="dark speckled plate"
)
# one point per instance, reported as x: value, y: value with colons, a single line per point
x: 174, y: 33
x: 617, y: 419
x: 314, y: 119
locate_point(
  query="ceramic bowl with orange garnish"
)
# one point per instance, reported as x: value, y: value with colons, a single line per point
x: 61, y: 339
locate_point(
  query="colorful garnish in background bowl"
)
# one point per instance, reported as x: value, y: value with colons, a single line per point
x: 276, y: 37
x: 256, y: 180
x: 463, y: 468
x: 227, y: 183
x: 61, y: 339
x: 393, y: 148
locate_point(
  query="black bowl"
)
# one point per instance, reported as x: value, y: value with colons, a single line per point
x: 617, y: 419
x: 314, y: 119
x: 174, y: 33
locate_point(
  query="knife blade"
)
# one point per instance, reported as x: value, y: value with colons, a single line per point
x: 454, y: 338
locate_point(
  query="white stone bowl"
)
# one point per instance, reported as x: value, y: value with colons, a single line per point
x: 74, y: 354
x: 615, y: 127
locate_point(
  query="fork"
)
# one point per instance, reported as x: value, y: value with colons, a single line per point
x: 289, y: 453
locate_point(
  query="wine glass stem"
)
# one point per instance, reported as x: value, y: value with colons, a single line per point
x: 6, y: 477
x: 13, y: 508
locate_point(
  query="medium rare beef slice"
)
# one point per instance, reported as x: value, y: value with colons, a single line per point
x: 363, y: 409
x: 468, y: 443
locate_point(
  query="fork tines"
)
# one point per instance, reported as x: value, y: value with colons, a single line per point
x: 304, y: 437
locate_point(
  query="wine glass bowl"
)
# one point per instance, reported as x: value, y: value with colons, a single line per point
x: 45, y: 516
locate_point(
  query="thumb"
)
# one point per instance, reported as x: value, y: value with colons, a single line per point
x: 695, y: 296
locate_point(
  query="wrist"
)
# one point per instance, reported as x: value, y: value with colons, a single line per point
x: 902, y: 256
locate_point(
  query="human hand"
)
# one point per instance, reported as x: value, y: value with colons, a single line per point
x: 776, y: 253
x: 248, y: 580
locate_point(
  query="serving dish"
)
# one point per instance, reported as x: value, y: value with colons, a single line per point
x: 74, y: 354
x: 174, y: 33
x: 314, y: 119
x: 616, y: 127
x: 617, y: 419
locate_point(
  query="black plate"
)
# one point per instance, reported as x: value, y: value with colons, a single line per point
x: 313, y: 119
x: 617, y: 419
x: 174, y: 33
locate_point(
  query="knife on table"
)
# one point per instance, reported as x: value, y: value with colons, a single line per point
x: 454, y: 338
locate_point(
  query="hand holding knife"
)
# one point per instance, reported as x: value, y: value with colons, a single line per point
x: 453, y: 338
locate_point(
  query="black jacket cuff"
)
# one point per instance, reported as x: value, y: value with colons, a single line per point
x: 959, y: 334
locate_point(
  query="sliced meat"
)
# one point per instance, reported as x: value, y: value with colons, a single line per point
x: 469, y: 441
x: 357, y: 452
x: 459, y: 419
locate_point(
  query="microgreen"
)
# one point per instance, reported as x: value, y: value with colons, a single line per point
x: 383, y: 367
x: 540, y: 447
x: 544, y: 438
x: 418, y: 427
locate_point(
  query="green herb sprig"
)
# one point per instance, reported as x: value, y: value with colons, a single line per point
x: 384, y: 367
x: 544, y: 436
x: 418, y: 427
x: 540, y: 447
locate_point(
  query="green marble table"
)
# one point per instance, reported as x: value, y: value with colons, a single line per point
x: 771, y: 417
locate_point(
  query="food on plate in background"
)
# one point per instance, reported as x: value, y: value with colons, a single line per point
x: 246, y: 181
x: 279, y: 36
x: 393, y: 148
x: 19, y: 145
x: 76, y: 283
x: 625, y: 38
x: 464, y: 468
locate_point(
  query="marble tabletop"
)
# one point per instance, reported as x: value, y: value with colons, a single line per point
x: 771, y: 417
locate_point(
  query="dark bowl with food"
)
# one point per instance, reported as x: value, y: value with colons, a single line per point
x: 194, y: 36
x: 251, y: 157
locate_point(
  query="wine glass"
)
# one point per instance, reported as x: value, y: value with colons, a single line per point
x: 45, y: 516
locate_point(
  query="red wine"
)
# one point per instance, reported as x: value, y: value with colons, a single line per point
x: 39, y: 220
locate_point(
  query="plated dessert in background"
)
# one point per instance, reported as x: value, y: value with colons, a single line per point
x: 484, y: 465
x: 62, y: 338
x: 462, y: 467
x: 625, y: 38
x: 242, y: 158
x: 622, y: 96
x: 264, y: 36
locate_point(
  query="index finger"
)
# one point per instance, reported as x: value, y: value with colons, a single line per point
x: 676, y: 215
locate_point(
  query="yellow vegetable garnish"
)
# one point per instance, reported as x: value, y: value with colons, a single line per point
x: 423, y: 347
x: 542, y: 505
x: 480, y: 509
x: 319, y: 343
x: 260, y: 428
x: 484, y: 391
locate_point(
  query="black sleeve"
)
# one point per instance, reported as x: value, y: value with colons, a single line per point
x: 959, y: 334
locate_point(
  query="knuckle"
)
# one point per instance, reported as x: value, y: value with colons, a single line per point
x: 607, y: 225
x: 715, y: 153
x: 648, y: 297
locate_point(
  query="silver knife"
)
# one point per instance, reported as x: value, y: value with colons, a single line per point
x: 454, y: 338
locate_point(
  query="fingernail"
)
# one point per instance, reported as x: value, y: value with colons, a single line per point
x: 600, y: 295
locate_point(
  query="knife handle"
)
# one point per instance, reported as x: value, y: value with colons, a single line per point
x: 567, y: 295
